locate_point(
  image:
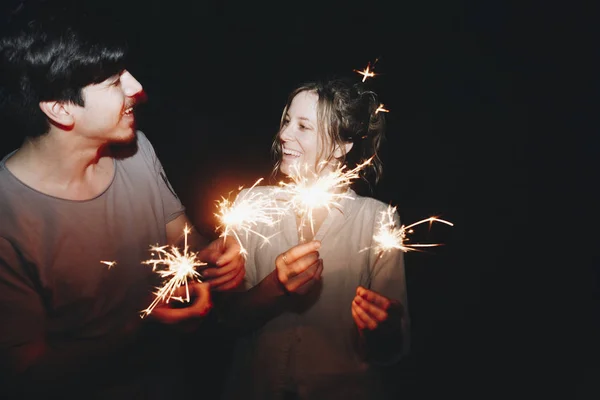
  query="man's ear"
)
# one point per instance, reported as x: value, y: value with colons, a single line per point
x: 58, y: 113
x: 343, y: 150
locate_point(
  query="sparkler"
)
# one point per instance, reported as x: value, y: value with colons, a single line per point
x: 390, y: 237
x: 109, y: 263
x: 249, y: 210
x: 179, y: 268
x: 307, y: 193
x: 381, y: 109
x: 367, y: 72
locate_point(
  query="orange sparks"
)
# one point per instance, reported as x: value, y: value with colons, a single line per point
x: 389, y: 236
x: 381, y: 109
x: 307, y: 193
x: 109, y: 263
x: 178, y: 269
x: 366, y: 73
x: 248, y: 210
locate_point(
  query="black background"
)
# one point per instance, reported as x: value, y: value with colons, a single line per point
x: 468, y: 85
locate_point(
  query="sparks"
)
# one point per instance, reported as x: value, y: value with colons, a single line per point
x: 389, y: 237
x: 307, y: 193
x: 109, y: 263
x: 381, y: 109
x: 249, y: 210
x: 179, y: 268
x: 367, y: 72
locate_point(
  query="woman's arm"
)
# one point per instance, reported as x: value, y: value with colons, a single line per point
x: 295, y: 273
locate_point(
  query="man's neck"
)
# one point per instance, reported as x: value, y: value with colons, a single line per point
x: 69, y: 169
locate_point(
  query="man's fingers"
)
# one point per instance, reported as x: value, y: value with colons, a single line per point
x: 202, y: 304
x: 215, y: 272
x: 222, y: 282
x: 236, y: 281
x: 202, y: 289
x: 231, y: 251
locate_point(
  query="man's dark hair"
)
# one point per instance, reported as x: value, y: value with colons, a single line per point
x: 49, y: 52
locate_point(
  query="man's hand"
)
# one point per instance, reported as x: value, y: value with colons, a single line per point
x: 300, y: 267
x: 172, y: 313
x: 229, y: 269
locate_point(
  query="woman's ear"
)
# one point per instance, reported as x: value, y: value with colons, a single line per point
x: 58, y: 113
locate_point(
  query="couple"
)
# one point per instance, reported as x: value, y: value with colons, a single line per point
x: 86, y: 187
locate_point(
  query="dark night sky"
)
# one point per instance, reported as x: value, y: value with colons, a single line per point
x: 465, y: 81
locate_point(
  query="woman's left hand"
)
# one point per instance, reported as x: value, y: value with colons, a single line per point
x: 369, y: 309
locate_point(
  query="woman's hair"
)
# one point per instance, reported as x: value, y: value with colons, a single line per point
x: 51, y: 55
x: 346, y: 113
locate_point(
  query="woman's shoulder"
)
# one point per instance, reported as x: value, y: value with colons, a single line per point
x: 370, y: 203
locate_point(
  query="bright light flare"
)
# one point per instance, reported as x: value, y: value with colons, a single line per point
x: 390, y: 237
x: 366, y: 73
x: 177, y: 269
x: 249, y: 210
x: 109, y: 263
x: 381, y: 108
x: 310, y: 191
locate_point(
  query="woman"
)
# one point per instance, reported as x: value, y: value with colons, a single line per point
x: 320, y: 314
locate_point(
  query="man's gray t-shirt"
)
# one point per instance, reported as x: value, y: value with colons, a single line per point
x: 53, y: 281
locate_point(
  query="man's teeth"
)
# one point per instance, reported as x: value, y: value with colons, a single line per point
x: 128, y: 111
x: 291, y: 153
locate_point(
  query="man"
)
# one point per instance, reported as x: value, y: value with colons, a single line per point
x: 81, y: 202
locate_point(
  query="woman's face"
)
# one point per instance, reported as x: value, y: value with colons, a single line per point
x: 300, y: 136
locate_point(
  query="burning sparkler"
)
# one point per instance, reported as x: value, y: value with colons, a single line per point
x: 307, y: 193
x: 249, y: 210
x: 381, y: 108
x: 179, y: 268
x: 367, y: 72
x: 390, y: 237
x: 109, y: 263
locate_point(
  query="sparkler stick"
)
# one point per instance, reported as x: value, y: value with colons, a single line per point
x: 308, y: 192
x: 249, y: 210
x: 179, y: 268
x: 389, y: 236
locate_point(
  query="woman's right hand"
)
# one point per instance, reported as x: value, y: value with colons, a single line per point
x: 300, y: 267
